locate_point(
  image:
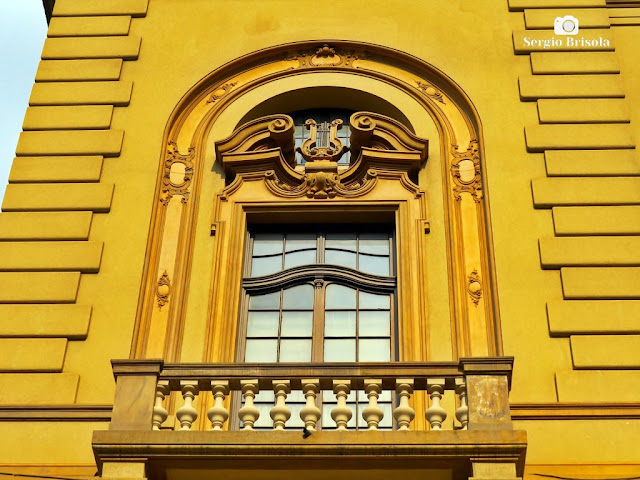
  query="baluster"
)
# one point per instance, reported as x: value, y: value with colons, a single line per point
x: 403, y: 413
x: 372, y: 414
x: 341, y: 413
x: 462, y: 412
x: 249, y: 414
x: 435, y: 413
x: 280, y: 413
x: 186, y: 414
x: 310, y: 413
x: 160, y: 414
x: 218, y: 414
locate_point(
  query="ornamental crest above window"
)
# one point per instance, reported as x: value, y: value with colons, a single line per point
x: 378, y: 145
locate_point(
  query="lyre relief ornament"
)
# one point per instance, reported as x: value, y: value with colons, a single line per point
x: 321, y: 151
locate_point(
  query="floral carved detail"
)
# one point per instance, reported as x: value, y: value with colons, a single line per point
x: 466, y: 172
x: 325, y: 56
x: 221, y: 92
x: 163, y: 290
x: 430, y: 91
x: 320, y: 185
x: 474, y: 287
x: 170, y: 186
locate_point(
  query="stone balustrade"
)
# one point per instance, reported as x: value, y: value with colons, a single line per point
x: 480, y: 385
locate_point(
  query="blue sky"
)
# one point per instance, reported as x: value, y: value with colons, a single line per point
x: 23, y: 28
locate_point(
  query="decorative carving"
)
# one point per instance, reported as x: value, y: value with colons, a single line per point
x: 327, y: 147
x: 221, y: 92
x: 262, y: 134
x: 169, y: 186
x: 466, y: 172
x: 325, y: 56
x: 163, y: 290
x: 263, y: 148
x: 430, y: 91
x: 320, y: 184
x: 474, y: 287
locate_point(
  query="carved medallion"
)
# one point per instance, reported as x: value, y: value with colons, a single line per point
x: 221, y: 92
x: 325, y: 56
x: 178, y: 173
x: 430, y: 91
x: 163, y: 290
x: 474, y: 287
x: 466, y: 172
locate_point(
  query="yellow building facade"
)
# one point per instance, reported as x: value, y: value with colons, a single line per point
x: 247, y: 238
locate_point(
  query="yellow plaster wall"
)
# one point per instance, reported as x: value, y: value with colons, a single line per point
x: 184, y: 41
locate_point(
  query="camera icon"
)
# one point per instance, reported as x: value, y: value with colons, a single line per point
x: 567, y: 25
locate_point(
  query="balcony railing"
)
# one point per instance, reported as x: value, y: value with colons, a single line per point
x: 478, y: 387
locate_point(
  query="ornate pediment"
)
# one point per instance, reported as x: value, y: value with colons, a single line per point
x: 379, y: 146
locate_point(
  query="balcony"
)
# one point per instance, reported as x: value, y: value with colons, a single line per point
x: 482, y: 443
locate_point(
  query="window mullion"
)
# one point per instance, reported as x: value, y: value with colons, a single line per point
x: 318, y: 321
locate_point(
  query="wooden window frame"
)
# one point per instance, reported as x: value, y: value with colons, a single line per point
x: 328, y: 274
x: 353, y: 281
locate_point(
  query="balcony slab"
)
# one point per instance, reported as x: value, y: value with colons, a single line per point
x: 186, y: 454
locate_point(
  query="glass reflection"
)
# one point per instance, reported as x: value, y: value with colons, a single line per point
x: 374, y: 265
x: 262, y: 324
x: 270, y: 300
x: 261, y: 350
x: 298, y: 297
x: 267, y: 243
x: 340, y: 297
x: 374, y: 301
x: 266, y: 265
x: 343, y: 350
x: 340, y: 323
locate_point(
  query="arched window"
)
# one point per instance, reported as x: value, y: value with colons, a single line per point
x: 320, y: 295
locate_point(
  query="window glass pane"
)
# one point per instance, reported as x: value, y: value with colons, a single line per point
x: 299, y: 241
x: 374, y: 350
x: 336, y: 257
x: 387, y: 419
x: 327, y: 421
x: 305, y: 257
x: 374, y: 301
x: 267, y: 243
x: 374, y: 243
x: 296, y: 396
x: 339, y: 296
x: 340, y: 324
x: 340, y: 350
x: 267, y: 396
x: 295, y: 350
x: 264, y: 420
x: 343, y: 241
x: 294, y: 421
x: 375, y: 324
x: 270, y: 300
x: 266, y: 265
x: 261, y: 351
x: 297, y: 324
x: 299, y: 297
x: 263, y: 324
x: 374, y: 265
